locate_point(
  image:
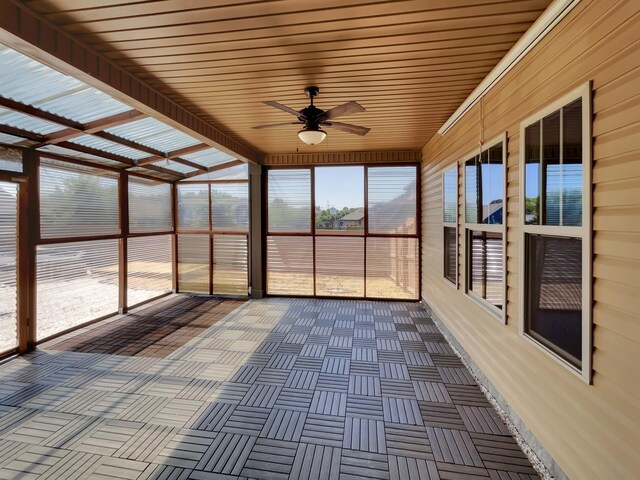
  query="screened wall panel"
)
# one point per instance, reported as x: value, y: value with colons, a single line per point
x: 8, y: 265
x: 392, y: 268
x: 230, y: 207
x: 289, y: 200
x: 193, y: 263
x: 149, y: 206
x: 339, y: 266
x: 10, y: 159
x: 392, y: 200
x: 289, y: 265
x: 77, y: 202
x: 230, y: 270
x: 148, y: 267
x: 76, y: 282
x: 193, y: 207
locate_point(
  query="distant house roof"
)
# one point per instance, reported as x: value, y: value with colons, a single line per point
x: 356, y: 215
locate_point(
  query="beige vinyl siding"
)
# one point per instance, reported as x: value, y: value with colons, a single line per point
x: 592, y: 431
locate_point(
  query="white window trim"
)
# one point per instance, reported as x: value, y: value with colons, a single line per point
x: 451, y: 225
x: 585, y: 231
x: 499, y: 314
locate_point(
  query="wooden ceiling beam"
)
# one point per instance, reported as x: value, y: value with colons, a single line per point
x: 215, y: 168
x: 19, y: 132
x: 98, y: 153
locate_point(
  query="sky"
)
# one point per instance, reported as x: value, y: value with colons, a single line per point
x: 340, y: 186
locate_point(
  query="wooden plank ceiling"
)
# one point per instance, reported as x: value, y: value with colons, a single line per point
x: 409, y: 63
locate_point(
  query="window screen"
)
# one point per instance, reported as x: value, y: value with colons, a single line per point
x: 554, y: 294
x: 149, y: 206
x: 230, y: 274
x: 553, y: 172
x: 450, y: 254
x: 10, y: 159
x: 230, y: 207
x: 290, y: 265
x: 193, y: 263
x: 392, y: 200
x: 193, y: 207
x: 450, y: 196
x: 77, y: 201
x: 339, y: 197
x: 76, y: 283
x: 148, y: 267
x: 8, y: 265
x: 486, y: 265
x: 340, y: 266
x: 484, y: 187
x: 392, y: 268
x: 289, y: 200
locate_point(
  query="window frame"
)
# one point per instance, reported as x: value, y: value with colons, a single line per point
x: 365, y: 233
x: 499, y: 314
x: 584, y: 232
x: 455, y: 168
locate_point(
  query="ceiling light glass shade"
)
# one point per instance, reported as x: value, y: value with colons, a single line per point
x: 312, y: 137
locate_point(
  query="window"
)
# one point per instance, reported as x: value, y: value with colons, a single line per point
x: 484, y: 189
x: 77, y: 201
x: 213, y: 227
x: 361, y: 241
x: 450, y: 222
x: 556, y: 230
x: 10, y: 159
x: 148, y: 268
x: 76, y: 283
x: 149, y: 206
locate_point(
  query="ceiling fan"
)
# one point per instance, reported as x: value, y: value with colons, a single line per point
x: 312, y: 118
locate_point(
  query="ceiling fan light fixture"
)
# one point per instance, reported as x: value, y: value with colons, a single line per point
x: 312, y: 136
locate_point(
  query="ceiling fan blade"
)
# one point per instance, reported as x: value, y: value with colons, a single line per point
x: 347, y: 127
x: 284, y: 108
x: 344, y: 109
x: 259, y: 127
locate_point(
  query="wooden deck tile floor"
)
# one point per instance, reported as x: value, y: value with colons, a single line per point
x: 269, y: 389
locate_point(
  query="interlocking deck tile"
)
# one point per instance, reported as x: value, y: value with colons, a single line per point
x: 213, y: 418
x: 364, y: 385
x: 329, y: 403
x: 407, y: 441
x: 270, y: 459
x: 453, y: 446
x: 302, y: 379
x: 356, y: 465
x: 323, y: 430
x: 227, y: 454
x: 246, y: 420
x: 186, y: 448
x: 440, y: 415
x: 294, y: 399
x: 401, y: 410
x: 284, y: 425
x: 431, y: 392
x: 167, y: 472
x: 316, y: 462
x: 502, y: 453
x: 407, y: 468
x: 364, y: 434
x: 364, y: 407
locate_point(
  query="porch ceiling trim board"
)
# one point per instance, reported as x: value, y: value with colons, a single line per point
x: 341, y: 158
x: 27, y: 32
